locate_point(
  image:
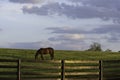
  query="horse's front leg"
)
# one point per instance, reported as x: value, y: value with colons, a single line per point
x: 52, y: 56
x: 42, y: 57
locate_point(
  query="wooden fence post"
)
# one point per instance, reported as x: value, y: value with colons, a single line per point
x: 18, y: 70
x: 100, y: 70
x: 62, y: 69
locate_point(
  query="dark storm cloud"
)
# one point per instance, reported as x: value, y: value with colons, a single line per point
x: 25, y: 1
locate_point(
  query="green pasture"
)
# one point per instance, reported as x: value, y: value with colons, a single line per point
x: 59, y: 55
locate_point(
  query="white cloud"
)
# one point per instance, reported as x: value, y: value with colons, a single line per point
x: 74, y: 36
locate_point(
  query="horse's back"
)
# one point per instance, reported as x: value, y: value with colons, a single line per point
x: 48, y: 50
x: 51, y: 50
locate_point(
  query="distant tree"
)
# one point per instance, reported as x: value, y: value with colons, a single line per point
x: 108, y: 50
x: 95, y: 47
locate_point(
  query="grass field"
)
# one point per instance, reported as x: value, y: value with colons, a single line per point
x: 59, y: 55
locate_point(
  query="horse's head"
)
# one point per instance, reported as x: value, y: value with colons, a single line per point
x: 36, y: 54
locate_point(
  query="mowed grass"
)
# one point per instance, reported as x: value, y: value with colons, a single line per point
x: 59, y: 55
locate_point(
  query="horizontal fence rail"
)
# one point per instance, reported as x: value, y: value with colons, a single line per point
x: 9, y: 69
x: 111, y: 69
x: 59, y: 69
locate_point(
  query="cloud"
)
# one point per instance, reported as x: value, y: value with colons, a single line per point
x: 30, y: 45
x: 63, y: 9
x: 75, y: 1
x: 103, y: 33
x: 110, y: 32
x: 69, y: 45
x: 110, y: 4
x: 67, y: 37
x: 101, y: 29
x: 109, y: 8
x: 114, y: 38
x: 69, y: 30
x: 105, y: 10
x: 101, y: 3
x: 36, y: 45
x: 36, y: 10
x: 26, y: 1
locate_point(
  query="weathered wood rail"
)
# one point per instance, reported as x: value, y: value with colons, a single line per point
x: 59, y: 70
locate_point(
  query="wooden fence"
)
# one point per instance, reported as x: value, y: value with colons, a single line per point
x: 59, y: 70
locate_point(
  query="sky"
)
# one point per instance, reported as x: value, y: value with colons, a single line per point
x: 61, y: 24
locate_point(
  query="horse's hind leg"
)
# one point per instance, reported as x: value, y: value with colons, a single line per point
x: 52, y: 56
x: 42, y: 57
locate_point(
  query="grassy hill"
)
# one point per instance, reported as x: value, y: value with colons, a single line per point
x: 59, y: 54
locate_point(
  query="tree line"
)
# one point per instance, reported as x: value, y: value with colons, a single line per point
x: 95, y: 46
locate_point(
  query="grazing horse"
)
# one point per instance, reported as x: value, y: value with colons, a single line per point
x: 43, y: 51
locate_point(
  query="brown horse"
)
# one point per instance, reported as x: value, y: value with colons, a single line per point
x: 43, y: 51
